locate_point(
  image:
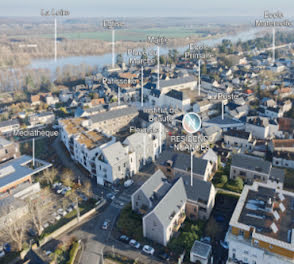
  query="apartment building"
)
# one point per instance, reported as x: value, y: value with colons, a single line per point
x: 8, y: 150
x: 112, y: 121
x: 261, y: 227
x: 165, y: 203
x: 172, y: 163
x: 42, y: 118
x: 239, y: 139
x: 251, y: 168
x: 9, y: 126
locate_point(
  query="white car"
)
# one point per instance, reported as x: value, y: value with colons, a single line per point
x: 148, y: 250
x: 2, y: 252
x: 134, y: 243
x: 128, y: 183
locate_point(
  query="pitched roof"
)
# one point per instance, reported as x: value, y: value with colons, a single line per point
x: 171, y: 203
x: 251, y: 163
x: 182, y: 161
x: 176, y: 95
x: 177, y: 81
x: 112, y: 114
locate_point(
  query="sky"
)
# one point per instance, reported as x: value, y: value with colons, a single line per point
x: 148, y: 8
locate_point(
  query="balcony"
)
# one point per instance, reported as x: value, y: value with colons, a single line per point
x: 179, y: 222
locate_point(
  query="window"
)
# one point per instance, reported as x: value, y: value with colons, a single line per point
x: 242, y: 173
x: 118, y: 168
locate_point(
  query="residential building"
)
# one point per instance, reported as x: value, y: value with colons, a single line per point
x: 282, y: 145
x: 112, y: 121
x: 9, y: 126
x: 8, y: 150
x: 44, y: 118
x: 165, y: 203
x: 225, y: 123
x: 252, y: 169
x: 166, y: 217
x: 239, y: 139
x: 261, y: 228
x: 172, y: 163
x: 201, y: 253
x: 283, y: 159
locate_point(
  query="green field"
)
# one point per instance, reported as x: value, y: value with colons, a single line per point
x: 129, y: 35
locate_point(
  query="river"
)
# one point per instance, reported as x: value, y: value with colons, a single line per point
x: 106, y: 59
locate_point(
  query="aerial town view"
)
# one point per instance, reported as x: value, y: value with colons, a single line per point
x: 141, y: 132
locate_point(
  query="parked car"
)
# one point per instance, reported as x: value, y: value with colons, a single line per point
x: 105, y: 224
x: 110, y: 196
x: 164, y: 256
x: 128, y: 183
x: 148, y: 250
x: 2, y: 252
x: 134, y: 243
x: 224, y: 244
x: 124, y: 238
x: 7, y: 247
x: 219, y: 218
x: 206, y: 240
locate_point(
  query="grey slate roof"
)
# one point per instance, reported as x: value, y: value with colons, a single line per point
x: 15, y: 169
x: 277, y: 174
x: 4, y: 142
x: 113, y: 114
x: 199, y: 191
x: 237, y: 133
x: 170, y: 203
x: 176, y: 81
x: 201, y: 249
x: 225, y: 121
x: 251, y: 163
x: 176, y: 95
x: 182, y: 161
x: 9, y: 123
x: 153, y: 183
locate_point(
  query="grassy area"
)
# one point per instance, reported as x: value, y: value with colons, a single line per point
x: 190, y: 232
x: 289, y: 179
x: 130, y: 35
x: 130, y: 223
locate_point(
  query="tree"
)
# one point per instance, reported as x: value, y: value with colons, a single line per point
x: 239, y: 183
x: 15, y: 230
x: 67, y: 177
x: 35, y: 209
x: 87, y: 188
x: 49, y: 175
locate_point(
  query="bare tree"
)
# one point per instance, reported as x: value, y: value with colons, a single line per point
x: 49, y: 175
x: 15, y: 231
x: 87, y: 188
x: 35, y: 210
x: 67, y: 177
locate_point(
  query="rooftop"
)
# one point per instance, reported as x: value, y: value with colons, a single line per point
x: 19, y: 168
x: 251, y: 163
x: 267, y: 213
x: 201, y: 249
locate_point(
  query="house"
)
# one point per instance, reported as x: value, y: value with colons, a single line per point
x: 111, y: 164
x: 177, y: 99
x: 44, y: 118
x: 282, y: 145
x: 178, y: 84
x: 251, y: 169
x: 165, y: 203
x: 9, y: 126
x: 283, y: 159
x: 203, y: 106
x: 35, y: 99
x: 172, y: 163
x: 239, y: 139
x: 8, y: 150
x: 260, y: 228
x: 262, y: 127
x: 166, y: 217
x: 211, y: 156
x: 83, y: 112
x: 201, y: 253
x: 225, y: 123
x: 214, y: 133
x: 51, y: 100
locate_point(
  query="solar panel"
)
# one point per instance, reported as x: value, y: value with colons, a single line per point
x: 274, y: 228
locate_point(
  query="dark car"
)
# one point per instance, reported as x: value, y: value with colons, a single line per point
x: 164, y: 256
x: 124, y: 238
x: 219, y: 218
